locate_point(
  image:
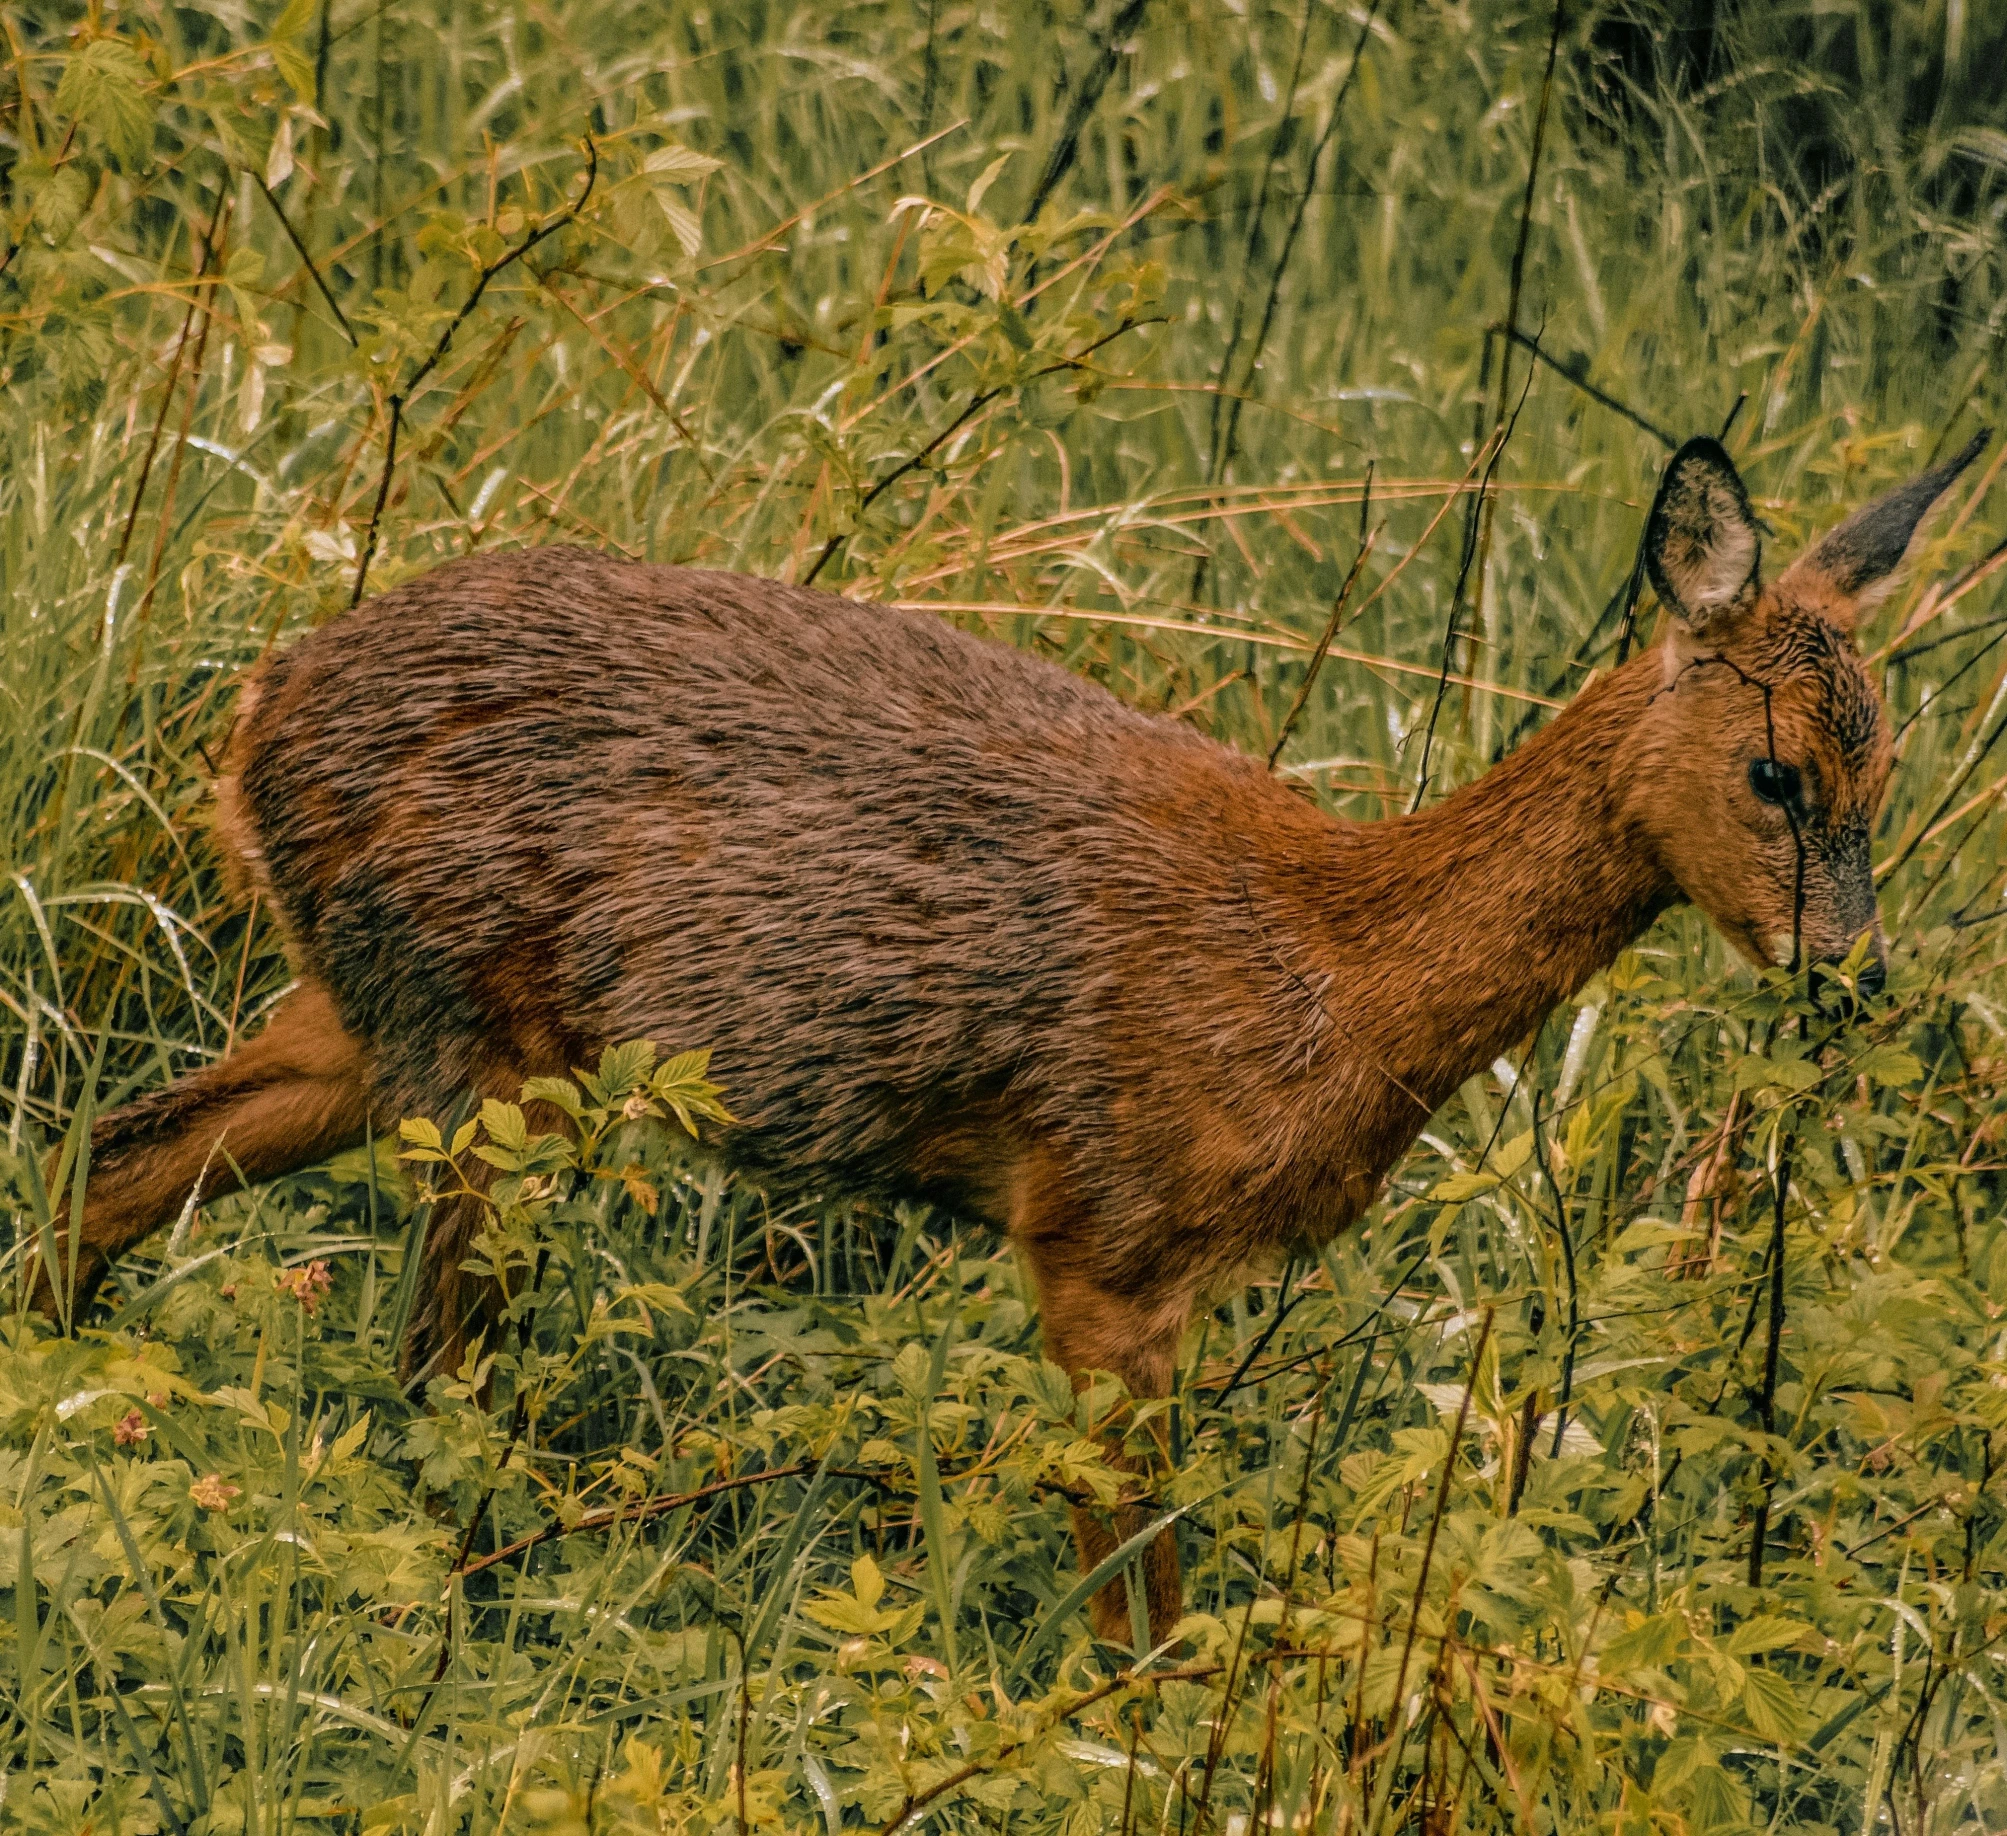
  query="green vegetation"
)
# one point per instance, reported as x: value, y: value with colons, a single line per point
x: 1115, y: 335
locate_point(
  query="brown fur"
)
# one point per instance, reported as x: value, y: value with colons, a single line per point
x: 959, y: 925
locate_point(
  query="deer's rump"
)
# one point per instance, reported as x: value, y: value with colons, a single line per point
x: 907, y: 884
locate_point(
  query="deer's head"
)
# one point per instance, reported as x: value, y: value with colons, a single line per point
x: 1765, y: 751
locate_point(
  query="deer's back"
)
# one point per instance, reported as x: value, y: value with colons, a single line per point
x: 911, y: 886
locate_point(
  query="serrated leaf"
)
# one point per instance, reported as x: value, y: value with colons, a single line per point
x: 104, y: 85
x: 558, y: 1091
x: 679, y: 164
x: 1419, y: 1449
x: 349, y: 1442
x: 1776, y: 1074
x: 1766, y: 1632
x: 988, y: 178
x: 635, y: 1182
x: 1771, y: 1705
x: 621, y: 1067
x: 296, y: 67
x: 241, y: 273
x: 1889, y: 1065
x: 288, y: 47
x: 504, y: 1124
x: 420, y: 1132
x: 681, y: 1086
x: 1650, y: 1644
x: 1716, y: 1800
x: 683, y: 224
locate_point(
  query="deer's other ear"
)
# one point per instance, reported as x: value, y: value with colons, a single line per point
x: 1857, y: 564
x: 1702, y: 547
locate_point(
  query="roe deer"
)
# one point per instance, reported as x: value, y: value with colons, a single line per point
x: 959, y: 925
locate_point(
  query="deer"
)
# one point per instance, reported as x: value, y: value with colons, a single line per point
x: 963, y: 927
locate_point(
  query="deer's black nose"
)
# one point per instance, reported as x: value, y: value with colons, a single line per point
x: 1873, y: 977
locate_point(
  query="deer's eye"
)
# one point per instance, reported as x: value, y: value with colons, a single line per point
x: 1773, y: 782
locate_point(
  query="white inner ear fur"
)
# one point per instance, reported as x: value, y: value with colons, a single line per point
x: 1709, y: 571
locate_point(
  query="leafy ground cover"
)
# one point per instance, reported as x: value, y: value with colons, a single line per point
x: 1634, y: 1466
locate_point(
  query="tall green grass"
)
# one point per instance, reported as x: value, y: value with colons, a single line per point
x: 766, y: 1526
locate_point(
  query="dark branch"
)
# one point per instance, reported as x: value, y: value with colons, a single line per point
x: 293, y: 236
x: 563, y: 220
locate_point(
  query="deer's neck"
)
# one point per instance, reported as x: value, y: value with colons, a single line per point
x: 1484, y: 911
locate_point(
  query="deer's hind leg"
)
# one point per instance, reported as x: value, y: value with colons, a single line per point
x: 1090, y: 1325
x: 292, y: 1095
x: 455, y: 1305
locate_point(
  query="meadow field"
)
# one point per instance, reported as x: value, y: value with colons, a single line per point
x: 1636, y: 1465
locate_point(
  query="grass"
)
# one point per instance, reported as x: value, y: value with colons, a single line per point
x: 768, y: 1526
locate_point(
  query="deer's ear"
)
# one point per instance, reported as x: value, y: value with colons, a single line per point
x: 1702, y: 545
x: 1857, y: 564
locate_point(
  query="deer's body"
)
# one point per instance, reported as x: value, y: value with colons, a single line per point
x: 954, y: 922
x: 958, y: 924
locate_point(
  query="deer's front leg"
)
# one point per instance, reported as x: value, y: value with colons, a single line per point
x: 1091, y: 1326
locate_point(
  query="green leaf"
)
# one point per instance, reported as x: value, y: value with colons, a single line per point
x: 622, y: 1067
x: 1771, y: 1705
x: 988, y: 178
x: 241, y: 274
x: 104, y: 88
x: 296, y: 67
x: 504, y: 1124
x: 679, y: 165
x: 681, y: 1086
x: 683, y: 224
x: 1716, y: 1800
x: 288, y: 47
x: 1890, y: 1066
x: 559, y: 1091
x: 1651, y: 1644
x: 1776, y: 1074
x: 1766, y: 1632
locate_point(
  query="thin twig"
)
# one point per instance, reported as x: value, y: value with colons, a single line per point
x: 1926, y: 829
x: 1767, y: 1401
x: 293, y: 236
x: 1568, y: 1269
x: 975, y: 404
x: 173, y: 376
x: 1422, y: 1576
x: 650, y: 1508
x: 1529, y: 343
x: 634, y: 1514
x: 1488, y: 507
x: 1223, y: 453
x: 1256, y: 218
x: 767, y: 238
x: 165, y: 531
x: 1323, y: 649
x: 1489, y: 454
x: 1240, y: 1374
x: 563, y: 220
